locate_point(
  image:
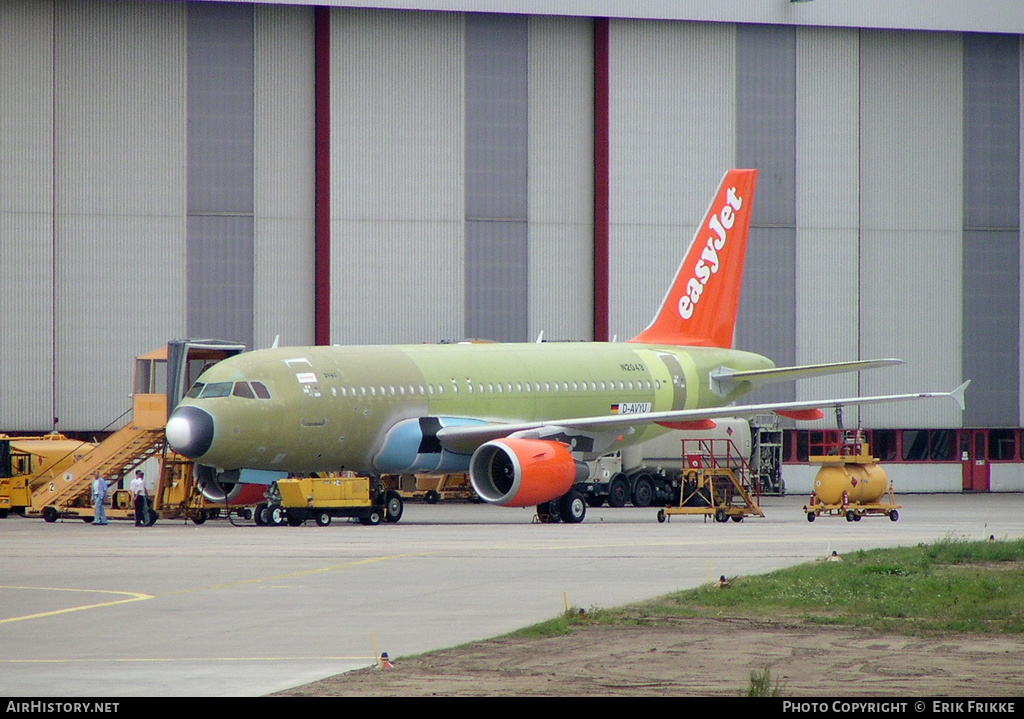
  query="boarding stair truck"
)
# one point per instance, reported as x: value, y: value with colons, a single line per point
x: 65, y: 490
x: 651, y: 473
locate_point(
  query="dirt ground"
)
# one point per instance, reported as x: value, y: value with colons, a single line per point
x: 691, y: 657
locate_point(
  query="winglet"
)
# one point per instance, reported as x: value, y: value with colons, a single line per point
x: 700, y: 306
x: 958, y: 395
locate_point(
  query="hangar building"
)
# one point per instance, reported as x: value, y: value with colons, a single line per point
x: 427, y: 171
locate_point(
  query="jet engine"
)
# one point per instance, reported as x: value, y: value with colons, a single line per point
x: 514, y: 472
x: 224, y: 487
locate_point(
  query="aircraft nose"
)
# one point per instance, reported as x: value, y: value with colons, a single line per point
x: 190, y: 431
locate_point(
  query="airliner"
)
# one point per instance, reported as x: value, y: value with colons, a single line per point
x: 522, y: 419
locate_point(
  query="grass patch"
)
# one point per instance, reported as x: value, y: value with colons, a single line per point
x: 951, y: 585
x: 571, y: 619
x: 761, y: 684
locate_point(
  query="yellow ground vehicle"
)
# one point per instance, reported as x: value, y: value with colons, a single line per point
x: 323, y: 498
x: 431, y: 489
x: 28, y: 462
x: 716, y: 482
x: 850, y: 482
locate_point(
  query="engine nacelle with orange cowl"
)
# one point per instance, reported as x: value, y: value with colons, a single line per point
x: 516, y: 472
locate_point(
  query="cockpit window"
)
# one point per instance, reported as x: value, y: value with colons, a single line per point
x: 261, y: 390
x: 242, y: 389
x: 216, y: 389
x: 196, y: 389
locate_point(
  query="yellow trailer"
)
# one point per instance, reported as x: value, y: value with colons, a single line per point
x: 850, y: 482
x: 323, y: 498
x: 430, y: 488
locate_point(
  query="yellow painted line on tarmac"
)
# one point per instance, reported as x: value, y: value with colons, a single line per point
x: 291, y: 575
x: 131, y: 597
x: 138, y: 597
x: 168, y: 660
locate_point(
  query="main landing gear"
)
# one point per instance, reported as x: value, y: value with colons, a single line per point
x: 570, y: 508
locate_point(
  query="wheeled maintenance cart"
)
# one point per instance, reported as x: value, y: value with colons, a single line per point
x: 850, y: 482
x: 716, y: 483
x: 431, y: 489
x: 323, y: 498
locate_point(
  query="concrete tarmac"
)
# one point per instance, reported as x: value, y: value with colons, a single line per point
x: 225, y: 610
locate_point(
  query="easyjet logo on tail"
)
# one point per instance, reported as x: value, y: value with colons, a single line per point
x: 709, y: 263
x: 700, y: 306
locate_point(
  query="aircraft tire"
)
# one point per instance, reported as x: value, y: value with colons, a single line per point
x: 618, y: 492
x: 393, y: 506
x: 549, y: 513
x: 573, y: 507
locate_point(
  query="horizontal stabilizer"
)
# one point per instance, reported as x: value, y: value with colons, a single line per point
x: 725, y: 380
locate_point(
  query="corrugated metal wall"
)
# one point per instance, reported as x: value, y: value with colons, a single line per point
x: 26, y: 226
x: 991, y: 239
x: 220, y: 171
x: 119, y: 149
x: 397, y: 186
x: 827, y: 205
x: 673, y: 115
x: 283, y: 175
x: 766, y: 139
x: 497, y: 240
x: 890, y: 189
x: 911, y: 91
x: 561, y: 173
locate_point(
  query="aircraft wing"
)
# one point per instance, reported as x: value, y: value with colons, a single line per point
x: 724, y: 380
x: 465, y: 438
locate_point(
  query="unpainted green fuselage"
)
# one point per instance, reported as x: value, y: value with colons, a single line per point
x: 331, y: 408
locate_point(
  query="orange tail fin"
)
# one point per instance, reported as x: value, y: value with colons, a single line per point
x: 700, y: 307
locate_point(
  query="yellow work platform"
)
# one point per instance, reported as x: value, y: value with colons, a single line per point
x: 716, y: 483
